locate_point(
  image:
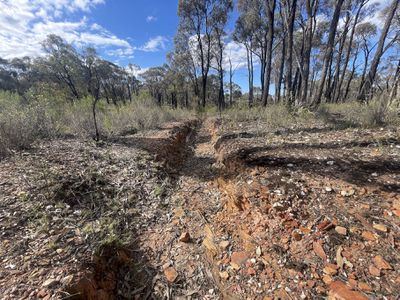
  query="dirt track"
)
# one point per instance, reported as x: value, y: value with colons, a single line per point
x: 236, y: 214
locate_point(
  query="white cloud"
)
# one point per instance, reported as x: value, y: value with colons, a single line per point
x: 155, y: 44
x: 376, y: 17
x: 237, y: 54
x: 151, y: 19
x: 24, y: 24
x: 135, y: 70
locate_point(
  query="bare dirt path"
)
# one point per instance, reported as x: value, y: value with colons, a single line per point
x: 177, y: 245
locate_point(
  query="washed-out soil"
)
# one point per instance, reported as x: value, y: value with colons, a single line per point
x: 205, y: 209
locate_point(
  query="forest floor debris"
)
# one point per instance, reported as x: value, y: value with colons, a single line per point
x: 205, y: 211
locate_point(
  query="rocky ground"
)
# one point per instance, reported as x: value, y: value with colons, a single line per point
x: 205, y: 209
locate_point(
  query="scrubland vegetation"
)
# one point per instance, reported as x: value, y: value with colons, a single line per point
x: 175, y: 182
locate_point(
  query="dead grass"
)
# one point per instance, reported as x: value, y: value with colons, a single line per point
x: 272, y: 117
x: 355, y: 114
x: 24, y: 121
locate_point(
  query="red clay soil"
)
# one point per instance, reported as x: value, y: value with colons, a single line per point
x: 305, y: 213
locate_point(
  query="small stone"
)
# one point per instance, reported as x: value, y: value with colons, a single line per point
x: 166, y: 265
x: 251, y: 271
x: 50, y: 283
x: 328, y: 189
x: 317, y: 247
x: 224, y: 245
x: 320, y: 289
x: 339, y: 291
x: 364, y: 287
x: 348, y: 193
x: 67, y: 280
x: 374, y: 271
x: 238, y: 259
x: 325, y: 225
x: 297, y: 236
x: 41, y: 294
x: 381, y: 263
x: 171, y: 274
x: 185, y: 237
x: 330, y: 269
x: 368, y: 236
x: 327, y: 279
x: 258, y: 251
x: 59, y: 251
x: 380, y: 227
x: 341, y: 230
x: 224, y: 275
x: 330, y: 163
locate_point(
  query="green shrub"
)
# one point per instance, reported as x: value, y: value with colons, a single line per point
x: 273, y: 116
x: 377, y: 112
x: 41, y: 115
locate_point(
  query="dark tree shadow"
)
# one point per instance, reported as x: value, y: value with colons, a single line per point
x: 350, y: 170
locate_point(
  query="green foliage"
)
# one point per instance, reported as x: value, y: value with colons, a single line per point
x: 45, y: 113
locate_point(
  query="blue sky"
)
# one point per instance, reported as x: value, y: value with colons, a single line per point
x: 123, y: 31
x: 139, y: 22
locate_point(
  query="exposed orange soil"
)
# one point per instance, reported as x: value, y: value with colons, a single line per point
x: 238, y: 213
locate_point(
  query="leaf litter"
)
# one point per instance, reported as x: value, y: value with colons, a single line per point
x: 205, y: 211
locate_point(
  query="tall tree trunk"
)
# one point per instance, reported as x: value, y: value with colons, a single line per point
x: 282, y: 64
x: 366, y: 89
x: 353, y: 70
x: 329, y: 50
x: 230, y: 82
x: 250, y: 70
x: 310, y: 5
x: 96, y: 127
x: 270, y: 40
x: 395, y: 87
x: 349, y: 47
x: 291, y: 13
x: 342, y: 41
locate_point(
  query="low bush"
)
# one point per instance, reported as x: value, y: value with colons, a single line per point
x: 377, y: 112
x: 25, y: 119
x: 272, y: 116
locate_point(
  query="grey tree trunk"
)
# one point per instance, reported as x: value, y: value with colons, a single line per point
x: 291, y: 13
x: 366, y: 88
x: 329, y: 50
x: 270, y: 15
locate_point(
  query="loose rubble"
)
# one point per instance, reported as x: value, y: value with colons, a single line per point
x: 207, y: 210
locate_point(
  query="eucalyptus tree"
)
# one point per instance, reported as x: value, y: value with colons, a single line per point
x: 183, y: 60
x: 270, y: 12
x: 219, y: 17
x: 197, y: 20
x: 289, y: 14
x: 367, y: 86
x: 357, y: 9
x: 309, y: 8
x: 364, y: 32
x: 63, y: 64
x: 154, y: 79
x: 246, y: 27
x: 328, y: 51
